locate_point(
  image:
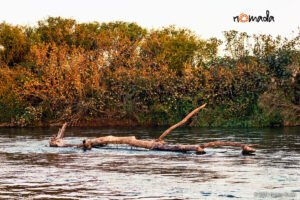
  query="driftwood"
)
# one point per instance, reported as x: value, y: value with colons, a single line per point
x: 182, y: 122
x: 159, y: 144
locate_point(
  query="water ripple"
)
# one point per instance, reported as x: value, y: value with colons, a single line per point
x: 30, y: 169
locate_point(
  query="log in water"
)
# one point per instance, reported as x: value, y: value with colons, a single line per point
x: 30, y: 169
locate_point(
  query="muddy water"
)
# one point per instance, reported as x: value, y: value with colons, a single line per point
x: 30, y: 169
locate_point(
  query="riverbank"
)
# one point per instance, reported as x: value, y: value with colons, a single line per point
x: 105, y: 122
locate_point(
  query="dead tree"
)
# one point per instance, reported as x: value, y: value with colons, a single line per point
x: 156, y: 144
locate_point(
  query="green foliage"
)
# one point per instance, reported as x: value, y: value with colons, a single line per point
x: 30, y: 117
x: 10, y: 107
x: 13, y: 40
x: 278, y: 63
x: 10, y: 103
x: 56, y: 30
x: 221, y: 117
x: 64, y: 70
x: 177, y: 48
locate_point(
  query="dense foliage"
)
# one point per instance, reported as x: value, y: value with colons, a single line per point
x: 62, y: 70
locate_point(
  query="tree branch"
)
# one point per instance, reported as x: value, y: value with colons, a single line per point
x: 182, y: 122
x: 57, y: 141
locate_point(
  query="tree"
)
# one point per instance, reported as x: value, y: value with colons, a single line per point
x: 57, y: 30
x: 13, y: 40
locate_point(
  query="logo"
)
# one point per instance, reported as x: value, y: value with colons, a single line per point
x: 244, y: 18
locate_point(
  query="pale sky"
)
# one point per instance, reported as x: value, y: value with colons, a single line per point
x: 208, y: 18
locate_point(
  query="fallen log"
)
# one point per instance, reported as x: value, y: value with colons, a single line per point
x: 159, y: 144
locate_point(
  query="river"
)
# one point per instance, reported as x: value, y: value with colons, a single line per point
x: 30, y: 169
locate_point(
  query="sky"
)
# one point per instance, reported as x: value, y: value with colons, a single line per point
x: 207, y: 18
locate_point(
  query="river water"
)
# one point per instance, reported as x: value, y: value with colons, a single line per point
x: 30, y: 169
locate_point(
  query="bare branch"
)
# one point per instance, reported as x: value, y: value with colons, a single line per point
x: 182, y: 122
x: 57, y: 141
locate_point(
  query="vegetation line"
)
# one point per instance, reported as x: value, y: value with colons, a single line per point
x: 62, y: 70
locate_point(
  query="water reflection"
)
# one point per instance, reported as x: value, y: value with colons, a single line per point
x: 30, y: 169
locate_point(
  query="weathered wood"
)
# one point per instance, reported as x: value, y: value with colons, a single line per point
x: 246, y: 149
x: 182, y: 122
x: 147, y: 144
x: 57, y: 141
